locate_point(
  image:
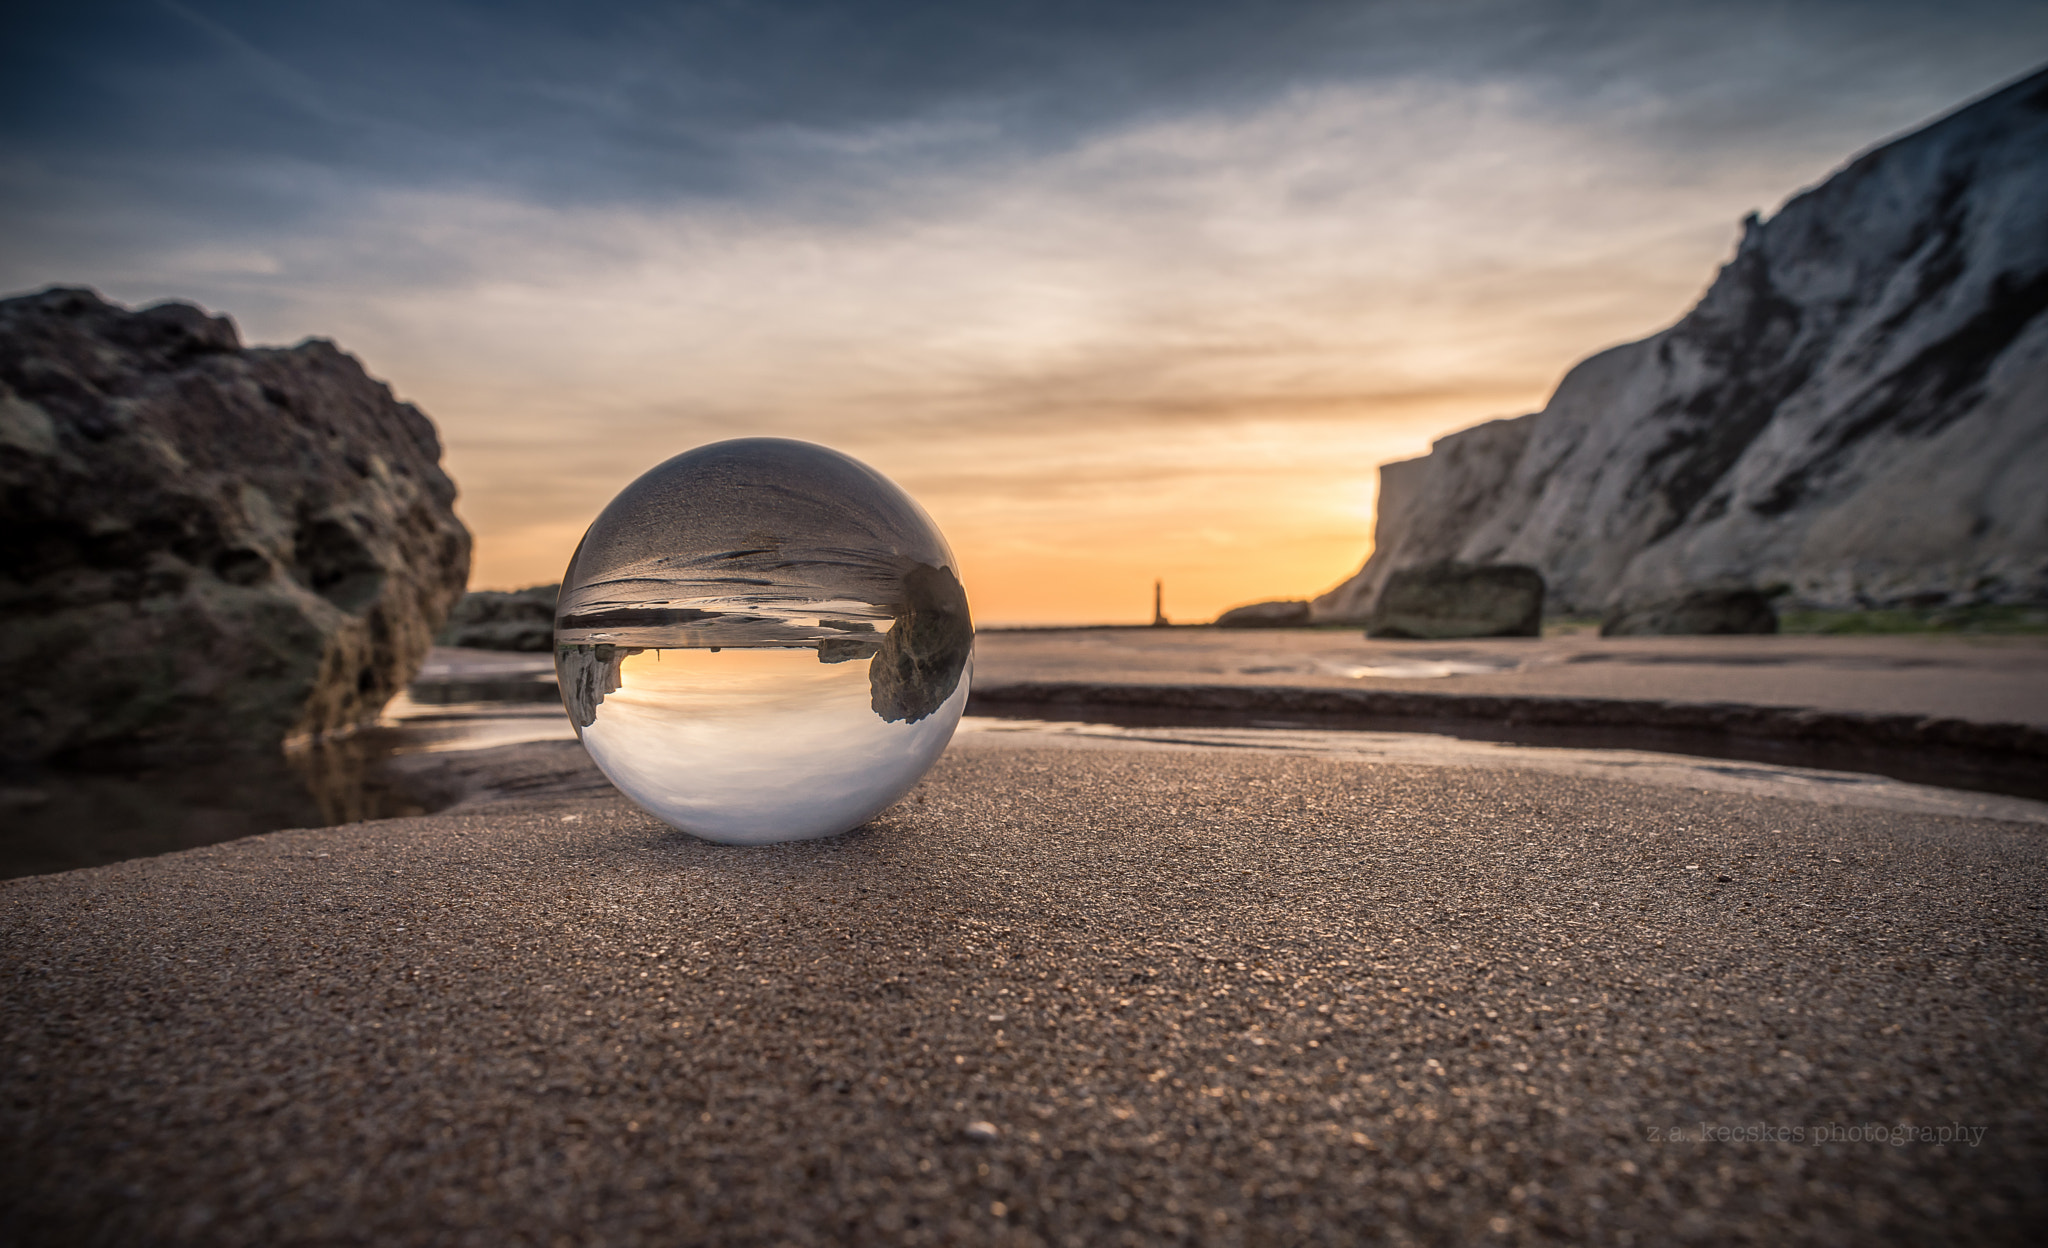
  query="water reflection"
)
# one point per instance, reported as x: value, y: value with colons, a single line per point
x: 102, y: 811
x: 97, y: 811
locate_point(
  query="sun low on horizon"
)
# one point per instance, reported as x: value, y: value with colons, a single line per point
x: 1120, y: 294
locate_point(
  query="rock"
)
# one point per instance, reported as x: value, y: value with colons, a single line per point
x: 851, y: 650
x: 920, y: 661
x: 209, y: 546
x: 983, y: 1132
x: 1444, y: 600
x: 1289, y: 614
x: 485, y: 619
x: 1857, y: 409
x: 861, y: 644
x: 1420, y: 501
x: 1706, y: 611
x: 586, y: 674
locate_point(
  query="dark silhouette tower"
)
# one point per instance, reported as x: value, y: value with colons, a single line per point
x: 1159, y: 604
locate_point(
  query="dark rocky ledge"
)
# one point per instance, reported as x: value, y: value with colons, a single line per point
x: 1959, y: 753
x: 209, y: 546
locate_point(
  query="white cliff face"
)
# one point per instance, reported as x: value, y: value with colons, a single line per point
x: 1425, y: 507
x: 1857, y: 409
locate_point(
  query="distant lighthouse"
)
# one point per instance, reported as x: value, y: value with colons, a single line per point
x: 1159, y: 604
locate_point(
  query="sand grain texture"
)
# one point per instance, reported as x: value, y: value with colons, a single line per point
x: 1209, y: 996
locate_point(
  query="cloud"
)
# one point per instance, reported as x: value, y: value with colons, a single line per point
x: 1155, y: 286
x: 604, y: 103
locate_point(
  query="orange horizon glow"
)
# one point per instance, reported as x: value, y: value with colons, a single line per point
x: 1179, y: 350
x: 1281, y: 511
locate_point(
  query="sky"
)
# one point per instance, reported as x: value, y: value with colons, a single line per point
x: 1118, y: 291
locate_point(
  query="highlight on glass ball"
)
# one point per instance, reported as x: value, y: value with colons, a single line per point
x: 763, y: 640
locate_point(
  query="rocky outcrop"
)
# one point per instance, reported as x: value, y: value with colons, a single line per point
x: 587, y: 674
x: 1421, y: 503
x: 1704, y: 612
x: 1284, y: 614
x: 1445, y: 600
x: 1854, y: 415
x: 208, y: 545
x: 488, y: 619
x: 922, y: 658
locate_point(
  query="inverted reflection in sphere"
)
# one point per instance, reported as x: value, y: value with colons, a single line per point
x: 763, y: 640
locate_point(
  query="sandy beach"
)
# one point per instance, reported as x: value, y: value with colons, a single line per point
x: 1066, y: 993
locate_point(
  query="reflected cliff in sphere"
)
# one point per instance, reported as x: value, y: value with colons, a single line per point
x: 763, y: 640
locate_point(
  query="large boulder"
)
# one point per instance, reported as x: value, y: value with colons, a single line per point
x: 1284, y: 614
x: 1701, y: 612
x: 208, y: 546
x: 486, y: 619
x: 1857, y: 409
x: 1446, y: 600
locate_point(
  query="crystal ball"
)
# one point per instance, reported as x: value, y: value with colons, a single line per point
x: 763, y: 640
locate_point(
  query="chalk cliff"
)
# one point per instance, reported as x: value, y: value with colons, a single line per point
x: 1856, y: 411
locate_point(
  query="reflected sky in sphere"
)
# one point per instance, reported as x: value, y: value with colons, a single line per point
x: 763, y: 640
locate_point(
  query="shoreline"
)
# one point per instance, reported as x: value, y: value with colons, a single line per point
x: 2006, y: 758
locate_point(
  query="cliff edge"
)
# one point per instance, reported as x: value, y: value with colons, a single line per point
x: 1856, y: 413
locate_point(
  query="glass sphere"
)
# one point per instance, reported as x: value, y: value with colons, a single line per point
x: 763, y: 640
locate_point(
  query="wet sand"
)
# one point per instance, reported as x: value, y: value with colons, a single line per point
x: 1967, y: 712
x: 1984, y: 679
x: 1099, y: 993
